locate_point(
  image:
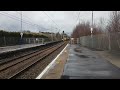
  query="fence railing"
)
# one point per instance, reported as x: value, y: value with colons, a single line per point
x: 8, y: 41
x: 108, y: 41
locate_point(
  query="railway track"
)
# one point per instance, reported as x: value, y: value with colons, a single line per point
x: 14, y: 68
x: 5, y: 57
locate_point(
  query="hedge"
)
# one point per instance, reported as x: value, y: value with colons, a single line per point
x: 17, y: 34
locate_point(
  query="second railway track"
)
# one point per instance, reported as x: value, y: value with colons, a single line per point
x: 14, y: 68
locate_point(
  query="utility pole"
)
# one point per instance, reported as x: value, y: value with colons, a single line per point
x: 116, y: 22
x: 92, y: 30
x: 116, y: 33
x: 21, y: 21
x: 21, y: 34
x: 79, y: 19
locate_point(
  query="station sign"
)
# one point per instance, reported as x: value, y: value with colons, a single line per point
x: 91, y: 30
x: 21, y: 34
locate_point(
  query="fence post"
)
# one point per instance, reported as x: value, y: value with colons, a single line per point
x: 118, y: 43
x: 77, y: 40
x: 4, y: 41
x: 109, y: 41
x: 91, y: 41
x: 42, y: 40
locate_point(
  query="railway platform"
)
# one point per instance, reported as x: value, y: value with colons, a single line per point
x: 73, y: 62
x: 83, y: 63
x: 56, y: 67
x: 17, y: 47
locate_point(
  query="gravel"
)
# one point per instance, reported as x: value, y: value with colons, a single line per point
x: 36, y: 69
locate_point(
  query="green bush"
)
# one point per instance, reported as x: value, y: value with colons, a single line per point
x: 17, y: 34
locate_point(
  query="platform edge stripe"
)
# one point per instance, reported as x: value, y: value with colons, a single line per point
x: 44, y: 71
x: 12, y: 50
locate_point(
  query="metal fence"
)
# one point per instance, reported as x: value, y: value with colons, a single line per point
x: 108, y: 41
x: 8, y: 41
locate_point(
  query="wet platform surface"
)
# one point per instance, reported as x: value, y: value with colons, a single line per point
x: 17, y: 47
x: 86, y: 64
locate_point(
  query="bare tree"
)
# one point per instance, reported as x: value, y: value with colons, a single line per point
x: 113, y: 28
x: 83, y: 29
x: 114, y: 22
x: 101, y: 24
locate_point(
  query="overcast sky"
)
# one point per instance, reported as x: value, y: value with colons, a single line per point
x: 65, y: 20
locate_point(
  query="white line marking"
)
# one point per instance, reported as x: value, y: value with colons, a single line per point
x: 19, y: 48
x: 44, y: 71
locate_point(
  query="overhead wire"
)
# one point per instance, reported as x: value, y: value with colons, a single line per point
x: 77, y: 18
x: 19, y: 19
x: 52, y: 20
x: 28, y: 22
x: 31, y: 20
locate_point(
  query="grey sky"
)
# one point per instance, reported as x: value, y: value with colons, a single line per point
x: 66, y: 20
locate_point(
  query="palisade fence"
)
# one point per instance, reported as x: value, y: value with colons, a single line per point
x: 107, y: 41
x: 8, y: 41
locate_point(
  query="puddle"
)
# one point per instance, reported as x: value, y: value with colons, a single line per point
x: 78, y: 50
x: 82, y: 56
x: 94, y: 57
x: 71, y: 54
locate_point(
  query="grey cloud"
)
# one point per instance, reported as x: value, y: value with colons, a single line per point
x: 65, y: 19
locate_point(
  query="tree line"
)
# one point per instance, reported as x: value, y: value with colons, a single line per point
x: 17, y: 34
x: 113, y: 25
